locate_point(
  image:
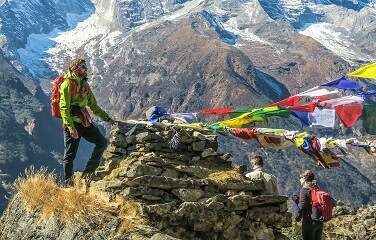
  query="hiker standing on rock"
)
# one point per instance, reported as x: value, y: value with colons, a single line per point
x: 270, y: 181
x: 315, y: 207
x: 71, y: 95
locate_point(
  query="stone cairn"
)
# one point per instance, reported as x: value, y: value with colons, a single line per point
x: 186, y: 189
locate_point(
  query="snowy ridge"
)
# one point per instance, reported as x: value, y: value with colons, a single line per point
x: 344, y: 31
x: 102, y: 32
x: 33, y: 55
x: 248, y: 14
x: 337, y: 40
x: 339, y: 25
x: 295, y: 8
x: 189, y: 7
x: 25, y: 27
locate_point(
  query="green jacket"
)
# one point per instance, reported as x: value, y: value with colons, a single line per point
x: 82, y: 99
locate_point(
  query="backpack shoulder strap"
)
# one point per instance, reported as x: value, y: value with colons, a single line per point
x: 73, y: 86
x: 314, y: 198
x: 87, y: 88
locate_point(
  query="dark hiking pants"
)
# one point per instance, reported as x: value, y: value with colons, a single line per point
x: 91, y: 134
x: 312, y: 230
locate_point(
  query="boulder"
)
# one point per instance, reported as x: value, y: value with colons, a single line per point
x: 188, y: 195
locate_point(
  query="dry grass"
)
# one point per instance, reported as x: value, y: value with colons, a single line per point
x: 226, y: 176
x: 39, y: 192
x: 130, y: 212
x: 79, y: 204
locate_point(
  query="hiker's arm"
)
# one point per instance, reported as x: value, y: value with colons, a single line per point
x: 92, y: 103
x: 303, y: 202
x: 65, y: 104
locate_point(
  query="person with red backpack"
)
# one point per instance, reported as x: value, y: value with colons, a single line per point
x: 315, y: 207
x: 70, y: 96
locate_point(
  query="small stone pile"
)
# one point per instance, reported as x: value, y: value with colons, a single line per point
x: 186, y: 189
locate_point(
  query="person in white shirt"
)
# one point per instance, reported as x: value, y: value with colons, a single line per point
x: 270, y: 181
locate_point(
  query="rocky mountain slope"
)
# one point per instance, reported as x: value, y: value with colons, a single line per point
x: 352, y: 224
x: 150, y: 190
x: 25, y: 126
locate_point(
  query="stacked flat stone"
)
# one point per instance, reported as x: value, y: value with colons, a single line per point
x: 179, y: 178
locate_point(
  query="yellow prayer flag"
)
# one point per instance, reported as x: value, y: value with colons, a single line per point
x: 299, y: 139
x: 240, y: 121
x: 368, y: 71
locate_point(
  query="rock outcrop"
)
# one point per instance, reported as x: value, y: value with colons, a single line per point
x: 352, y: 224
x: 178, y: 186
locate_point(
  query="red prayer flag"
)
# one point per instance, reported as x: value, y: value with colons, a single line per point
x: 321, y: 98
x: 216, y: 111
x: 245, y: 133
x: 290, y: 101
x: 309, y: 107
x: 349, y: 113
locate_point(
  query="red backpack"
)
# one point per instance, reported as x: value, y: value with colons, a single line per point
x: 322, y: 201
x: 55, y: 95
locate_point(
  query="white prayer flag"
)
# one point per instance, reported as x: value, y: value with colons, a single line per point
x: 331, y: 103
x: 323, y: 117
x: 317, y: 92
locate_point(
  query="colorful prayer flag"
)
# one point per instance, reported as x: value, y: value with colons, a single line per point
x: 343, y: 83
x: 331, y: 103
x: 287, y: 102
x: 368, y: 71
x: 240, y: 121
x: 369, y: 118
x: 216, y: 111
x: 245, y: 133
x: 319, y: 117
x: 317, y: 91
x: 185, y: 117
x: 349, y: 113
x: 303, y: 117
x: 322, y: 117
x: 309, y: 107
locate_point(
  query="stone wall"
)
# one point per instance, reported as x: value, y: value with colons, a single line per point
x: 183, y: 187
x: 187, y: 188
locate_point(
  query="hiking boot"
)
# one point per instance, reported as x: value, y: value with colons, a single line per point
x: 68, y: 183
x: 91, y: 176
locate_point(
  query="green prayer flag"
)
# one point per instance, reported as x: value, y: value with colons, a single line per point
x: 369, y: 118
x: 216, y: 127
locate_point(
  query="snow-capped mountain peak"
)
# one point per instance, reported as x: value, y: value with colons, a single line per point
x: 342, y: 26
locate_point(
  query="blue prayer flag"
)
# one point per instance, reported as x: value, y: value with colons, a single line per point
x: 343, y: 83
x: 370, y: 93
x: 303, y: 117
